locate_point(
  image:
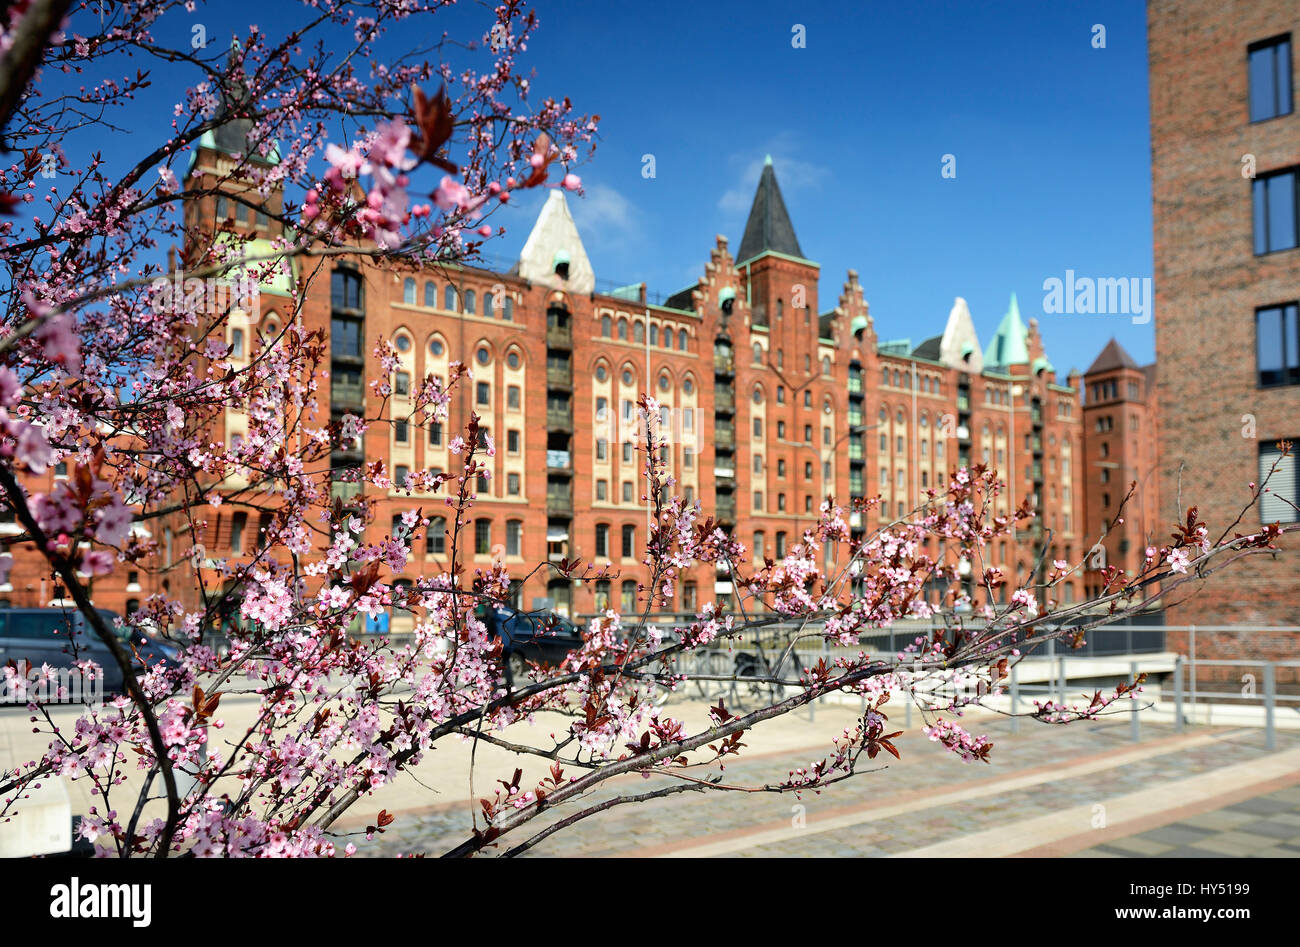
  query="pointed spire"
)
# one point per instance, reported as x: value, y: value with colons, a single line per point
x: 768, y: 227
x: 1010, y: 343
x: 554, y: 239
x: 1111, y: 357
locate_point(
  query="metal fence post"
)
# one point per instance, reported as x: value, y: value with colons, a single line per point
x: 1060, y: 667
x: 1134, y: 726
x: 1191, y: 670
x: 1178, y: 693
x: 1270, y: 705
x: 1015, y: 698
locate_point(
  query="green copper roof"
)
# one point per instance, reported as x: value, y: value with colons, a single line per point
x: 1042, y: 365
x: 859, y: 323
x: 1009, y: 345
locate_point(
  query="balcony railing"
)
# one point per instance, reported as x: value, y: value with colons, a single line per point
x: 559, y: 376
x: 726, y: 504
x: 559, y: 337
x: 855, y: 384
x: 856, y: 451
x: 559, y: 502
x: 963, y: 403
x: 559, y: 459
x: 559, y: 419
x: 724, y: 436
x: 724, y: 364
x: 724, y: 399
x: 724, y: 473
x: 343, y: 395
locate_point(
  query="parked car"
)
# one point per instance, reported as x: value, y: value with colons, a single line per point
x: 39, y: 636
x: 541, y: 637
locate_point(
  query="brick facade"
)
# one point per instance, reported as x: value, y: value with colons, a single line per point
x: 1214, y: 414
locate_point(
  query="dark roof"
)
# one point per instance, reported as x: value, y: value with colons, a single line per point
x: 682, y: 299
x: 826, y: 325
x: 929, y: 349
x: 1112, y: 357
x: 768, y: 227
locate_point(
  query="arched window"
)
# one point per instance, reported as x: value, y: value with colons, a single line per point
x: 884, y: 376
x: 622, y: 329
x: 408, y: 291
x: 605, y: 326
x: 509, y: 309
x: 449, y: 298
x: 654, y: 334
x: 758, y: 353
x: 826, y: 364
x: 469, y: 301
x: 430, y: 294
x: 638, y: 331
x: 681, y: 339
x: 489, y: 305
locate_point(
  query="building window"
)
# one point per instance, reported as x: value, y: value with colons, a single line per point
x: 408, y: 291
x: 514, y: 537
x: 402, y: 384
x: 628, y: 601
x: 627, y: 491
x: 512, y: 442
x: 345, y: 290
x: 1275, y: 211
x: 237, y: 524
x: 400, y: 473
x: 780, y: 545
x: 483, y: 537
x: 1270, y: 78
x: 236, y: 343
x: 508, y: 309
x: 435, y: 434
x: 602, y: 448
x: 1277, y: 345
x: 469, y: 301
x: 602, y: 540
x: 513, y: 397
x: 435, y: 539
x: 483, y: 392
x: 681, y: 344
x: 400, y: 432
x: 629, y: 541
x: 512, y: 484
x: 758, y: 545
x: 602, y: 595
x: 1279, y: 503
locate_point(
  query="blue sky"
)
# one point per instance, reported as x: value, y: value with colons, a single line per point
x: 1049, y: 134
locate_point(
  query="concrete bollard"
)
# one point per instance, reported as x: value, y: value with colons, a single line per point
x: 42, y: 824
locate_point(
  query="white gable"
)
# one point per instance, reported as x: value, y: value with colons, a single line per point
x: 959, y: 338
x: 555, y: 235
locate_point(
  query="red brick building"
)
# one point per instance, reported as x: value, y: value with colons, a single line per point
x: 1225, y: 145
x: 772, y: 402
x: 1119, y: 418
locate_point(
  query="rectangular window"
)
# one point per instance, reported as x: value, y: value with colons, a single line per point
x: 483, y: 537
x: 1277, y: 345
x: 602, y: 540
x: 512, y: 441
x: 514, y: 538
x: 345, y: 337
x: 1275, y: 212
x: 402, y: 384
x: 629, y: 541
x: 1270, y: 78
x: 400, y: 432
x: 435, y: 434
x: 602, y: 490
x: 602, y: 449
x: 483, y: 392
x: 512, y: 397
x: 1278, y: 504
x: 512, y: 484
x: 627, y: 491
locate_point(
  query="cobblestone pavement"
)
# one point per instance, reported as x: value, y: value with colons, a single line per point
x: 1266, y: 826
x: 926, y: 769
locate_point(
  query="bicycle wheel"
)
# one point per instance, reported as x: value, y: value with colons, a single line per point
x: 711, y: 664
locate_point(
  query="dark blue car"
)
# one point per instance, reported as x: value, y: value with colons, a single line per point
x: 59, y: 637
x: 539, y: 637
